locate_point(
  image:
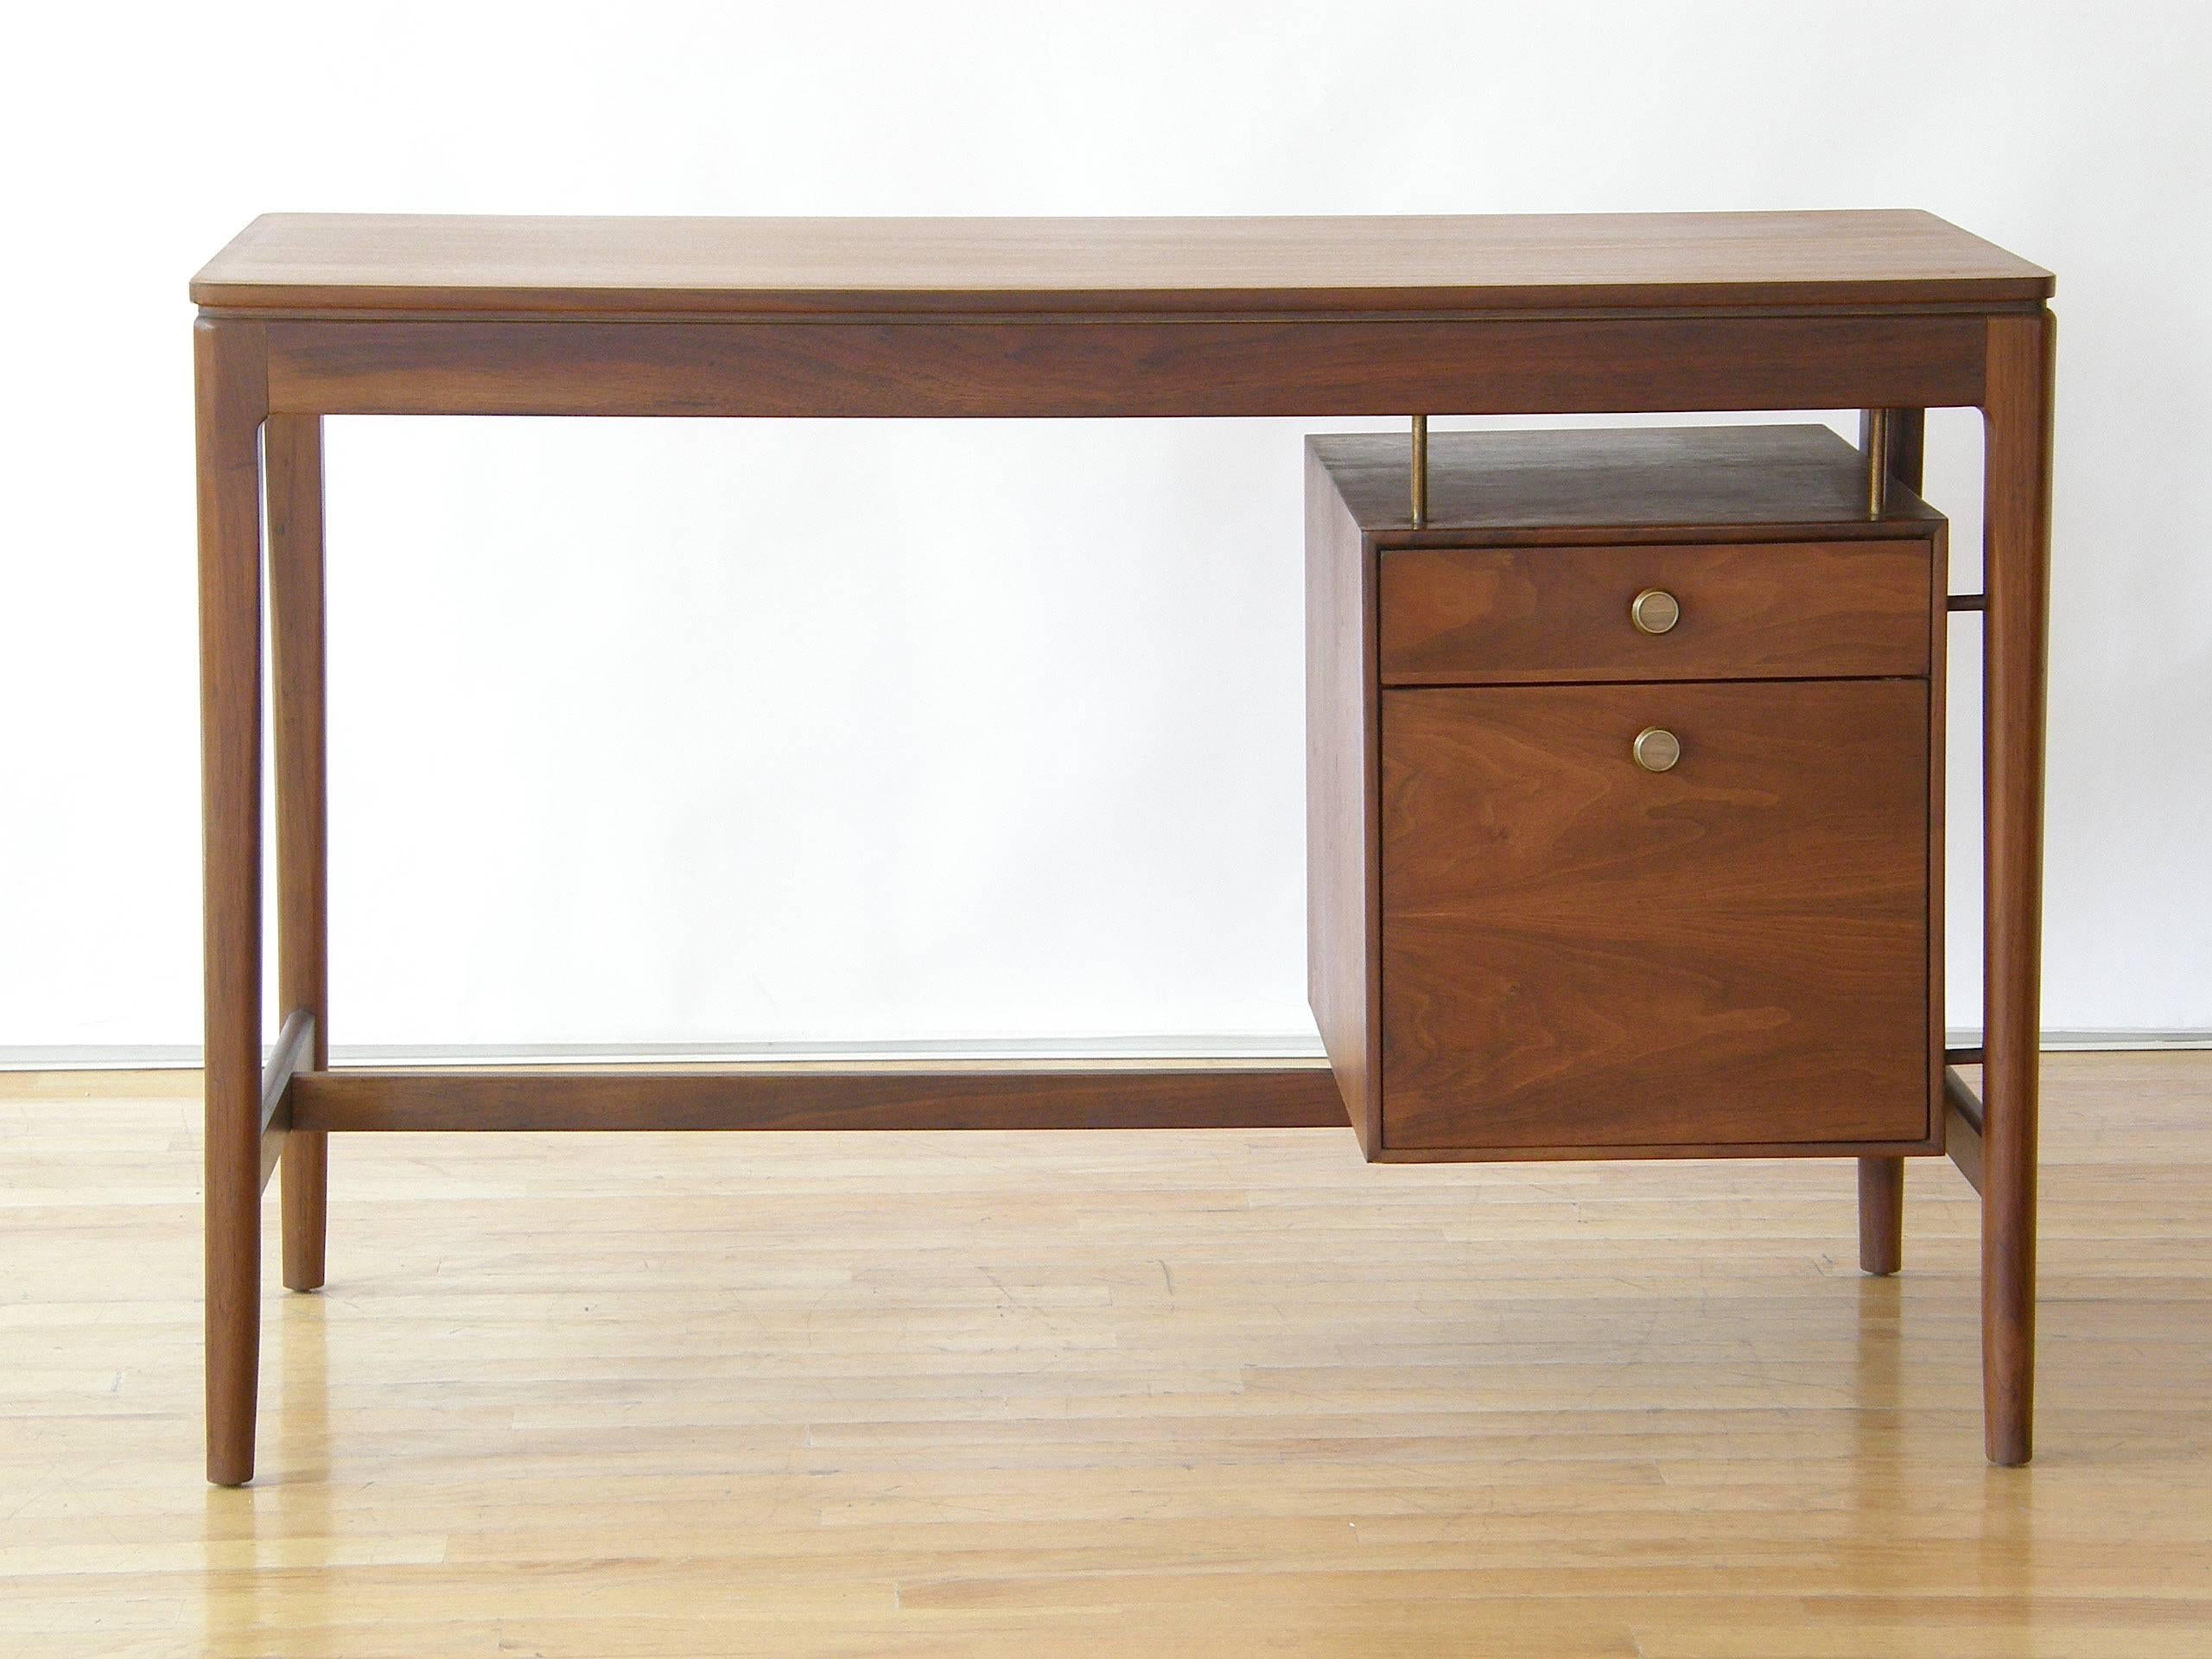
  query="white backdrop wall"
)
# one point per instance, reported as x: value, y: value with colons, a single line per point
x: 718, y: 733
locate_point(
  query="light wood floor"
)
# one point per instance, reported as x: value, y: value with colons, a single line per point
x: 1212, y: 1394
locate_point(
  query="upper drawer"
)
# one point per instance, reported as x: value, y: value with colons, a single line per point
x: 1467, y: 615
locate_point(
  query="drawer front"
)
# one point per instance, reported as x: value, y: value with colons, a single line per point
x: 1502, y: 615
x: 1578, y: 952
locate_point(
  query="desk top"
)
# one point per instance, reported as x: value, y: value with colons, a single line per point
x: 455, y: 265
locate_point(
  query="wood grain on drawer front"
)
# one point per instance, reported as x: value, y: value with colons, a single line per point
x: 1578, y: 953
x: 1472, y: 615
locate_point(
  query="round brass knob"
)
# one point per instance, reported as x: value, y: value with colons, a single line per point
x: 1654, y: 610
x: 1657, y: 749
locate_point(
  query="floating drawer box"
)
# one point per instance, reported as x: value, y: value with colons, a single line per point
x: 1626, y: 833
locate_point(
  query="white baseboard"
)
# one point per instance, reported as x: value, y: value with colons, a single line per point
x: 126, y: 1056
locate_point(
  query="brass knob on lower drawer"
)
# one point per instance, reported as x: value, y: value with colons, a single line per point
x: 1654, y: 610
x: 1657, y: 749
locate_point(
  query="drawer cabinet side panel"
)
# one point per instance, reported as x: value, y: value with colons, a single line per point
x: 1340, y: 806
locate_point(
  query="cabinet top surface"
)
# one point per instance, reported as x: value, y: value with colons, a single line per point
x: 1788, y: 477
x: 311, y: 263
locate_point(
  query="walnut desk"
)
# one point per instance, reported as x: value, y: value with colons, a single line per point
x: 301, y: 316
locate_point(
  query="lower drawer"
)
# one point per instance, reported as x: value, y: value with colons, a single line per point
x: 1580, y: 952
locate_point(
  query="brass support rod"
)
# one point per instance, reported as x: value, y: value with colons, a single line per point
x: 1878, y: 461
x: 1420, y: 471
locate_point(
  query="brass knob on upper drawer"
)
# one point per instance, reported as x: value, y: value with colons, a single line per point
x: 1657, y: 749
x: 1654, y: 610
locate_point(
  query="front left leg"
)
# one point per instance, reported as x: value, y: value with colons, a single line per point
x: 231, y: 387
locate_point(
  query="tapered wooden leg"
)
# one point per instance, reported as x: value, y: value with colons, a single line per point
x: 2017, y: 414
x: 1881, y: 1180
x: 295, y: 621
x: 231, y: 393
x: 1881, y: 1214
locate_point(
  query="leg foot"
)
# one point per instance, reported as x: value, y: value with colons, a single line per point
x: 1881, y: 1215
x: 305, y: 1175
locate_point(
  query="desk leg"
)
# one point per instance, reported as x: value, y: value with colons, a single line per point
x: 1881, y: 1214
x: 230, y: 388
x: 295, y: 628
x: 2017, y: 416
x: 1881, y: 1180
